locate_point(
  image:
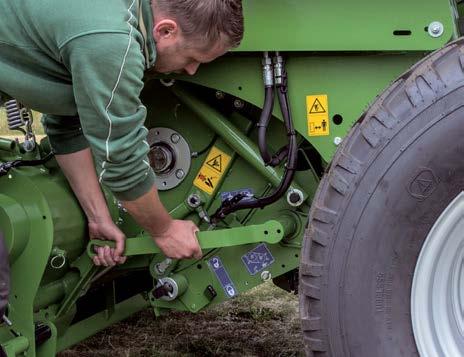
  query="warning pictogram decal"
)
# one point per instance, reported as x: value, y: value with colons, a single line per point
x: 318, y: 115
x: 317, y: 108
x: 211, y: 171
x: 215, y: 163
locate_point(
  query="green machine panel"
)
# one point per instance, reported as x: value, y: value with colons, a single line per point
x: 339, y: 25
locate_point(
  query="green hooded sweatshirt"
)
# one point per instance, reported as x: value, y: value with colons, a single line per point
x: 81, y: 63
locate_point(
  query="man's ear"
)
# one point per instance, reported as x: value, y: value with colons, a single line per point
x: 165, y: 29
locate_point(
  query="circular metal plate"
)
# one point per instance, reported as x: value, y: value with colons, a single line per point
x: 181, y: 157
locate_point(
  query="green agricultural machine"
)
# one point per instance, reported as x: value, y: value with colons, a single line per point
x: 325, y: 154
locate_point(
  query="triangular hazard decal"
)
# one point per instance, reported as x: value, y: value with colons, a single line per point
x: 216, y: 163
x: 317, y: 108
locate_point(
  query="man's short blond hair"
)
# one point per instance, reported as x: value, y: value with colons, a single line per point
x: 206, y: 20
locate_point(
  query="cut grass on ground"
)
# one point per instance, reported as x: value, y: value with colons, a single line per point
x: 262, y: 322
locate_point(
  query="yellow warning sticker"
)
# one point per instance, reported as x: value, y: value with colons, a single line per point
x: 211, y: 171
x: 318, y: 115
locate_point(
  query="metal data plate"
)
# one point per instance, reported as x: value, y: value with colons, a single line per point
x: 340, y: 25
x: 258, y: 259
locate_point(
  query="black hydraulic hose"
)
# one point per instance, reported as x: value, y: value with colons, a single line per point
x: 290, y: 168
x: 5, y: 167
x: 264, y: 123
x: 292, y: 157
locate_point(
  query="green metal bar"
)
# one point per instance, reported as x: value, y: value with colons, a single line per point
x: 270, y: 232
x: 7, y: 144
x: 180, y: 211
x: 231, y: 135
x: 87, y: 271
x: 55, y: 291
x: 86, y: 328
x: 16, y: 346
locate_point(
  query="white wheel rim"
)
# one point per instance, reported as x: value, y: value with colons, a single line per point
x: 437, y: 296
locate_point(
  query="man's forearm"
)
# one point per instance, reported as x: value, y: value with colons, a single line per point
x: 79, y: 169
x: 149, y: 212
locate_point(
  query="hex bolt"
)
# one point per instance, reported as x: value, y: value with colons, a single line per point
x: 436, y: 29
x: 338, y: 140
x: 175, y: 138
x: 295, y: 198
x: 180, y: 174
x: 194, y: 200
x: 161, y: 267
x: 266, y: 275
x: 220, y: 95
x: 239, y: 104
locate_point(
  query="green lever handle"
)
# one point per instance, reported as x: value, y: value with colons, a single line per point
x: 270, y: 232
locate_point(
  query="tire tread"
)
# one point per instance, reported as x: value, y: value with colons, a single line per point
x: 409, y: 94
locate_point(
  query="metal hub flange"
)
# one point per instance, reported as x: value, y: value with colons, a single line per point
x: 169, y: 156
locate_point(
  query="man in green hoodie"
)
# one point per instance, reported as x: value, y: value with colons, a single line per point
x: 82, y: 62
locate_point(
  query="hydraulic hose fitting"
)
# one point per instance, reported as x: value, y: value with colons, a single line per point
x: 268, y: 71
x: 268, y: 78
x: 279, y: 69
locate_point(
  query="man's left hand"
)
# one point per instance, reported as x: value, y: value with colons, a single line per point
x: 107, y: 256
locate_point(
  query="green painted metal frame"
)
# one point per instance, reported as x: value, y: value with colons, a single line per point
x: 351, y: 82
x: 338, y: 25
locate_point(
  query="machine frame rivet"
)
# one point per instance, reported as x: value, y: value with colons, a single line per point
x: 338, y: 140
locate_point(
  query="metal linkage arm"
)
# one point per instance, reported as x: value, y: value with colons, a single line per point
x: 270, y: 232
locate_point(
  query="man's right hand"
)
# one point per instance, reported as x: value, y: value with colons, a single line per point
x: 179, y: 241
x: 175, y: 238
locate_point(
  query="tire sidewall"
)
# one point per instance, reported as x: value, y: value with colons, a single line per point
x: 375, y: 229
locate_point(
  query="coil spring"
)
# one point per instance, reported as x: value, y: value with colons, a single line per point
x: 16, y: 114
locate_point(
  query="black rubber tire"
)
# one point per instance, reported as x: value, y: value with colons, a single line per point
x: 394, y: 174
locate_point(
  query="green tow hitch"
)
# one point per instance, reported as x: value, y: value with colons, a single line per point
x: 270, y: 232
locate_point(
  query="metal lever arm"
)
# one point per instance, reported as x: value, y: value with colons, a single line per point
x: 270, y: 232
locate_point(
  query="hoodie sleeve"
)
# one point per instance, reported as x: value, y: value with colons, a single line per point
x: 107, y: 71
